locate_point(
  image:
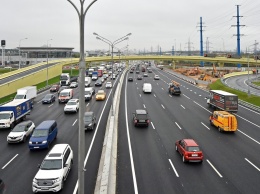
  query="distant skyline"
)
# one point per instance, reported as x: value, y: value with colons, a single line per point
x: 154, y: 24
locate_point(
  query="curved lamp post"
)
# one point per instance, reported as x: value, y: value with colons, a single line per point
x: 20, y: 51
x: 112, y: 44
x: 82, y: 69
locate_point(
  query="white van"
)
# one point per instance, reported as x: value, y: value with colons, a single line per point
x: 65, y: 95
x: 89, y: 92
x: 147, y: 88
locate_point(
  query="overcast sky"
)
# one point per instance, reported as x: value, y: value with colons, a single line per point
x: 153, y: 23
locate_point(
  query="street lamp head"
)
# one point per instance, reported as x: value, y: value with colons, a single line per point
x: 129, y: 34
x: 95, y: 34
x: 98, y: 38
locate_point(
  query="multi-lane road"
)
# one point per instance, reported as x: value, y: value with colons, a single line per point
x: 147, y: 160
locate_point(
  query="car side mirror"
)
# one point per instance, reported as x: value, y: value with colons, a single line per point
x: 38, y: 165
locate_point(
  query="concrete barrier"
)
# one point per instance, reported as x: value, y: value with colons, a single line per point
x: 106, y: 179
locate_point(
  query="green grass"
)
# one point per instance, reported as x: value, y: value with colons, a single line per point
x: 256, y: 83
x: 217, y: 85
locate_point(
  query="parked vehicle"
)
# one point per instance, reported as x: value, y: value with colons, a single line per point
x: 174, y: 88
x: 224, y: 121
x: 223, y: 100
x: 28, y: 92
x: 55, y: 88
x: 48, y: 99
x: 189, y: 150
x: 43, y: 135
x: 65, y: 79
x: 89, y: 120
x: 20, y: 132
x: 147, y: 88
x: 65, y: 95
x: 54, y: 169
x: 87, y: 81
x: 14, y: 112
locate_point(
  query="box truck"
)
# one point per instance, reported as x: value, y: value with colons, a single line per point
x: 28, y: 92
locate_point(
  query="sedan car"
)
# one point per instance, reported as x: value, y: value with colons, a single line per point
x: 156, y: 77
x: 101, y: 95
x: 145, y: 75
x: 139, y: 77
x: 108, y: 85
x: 98, y: 82
x: 189, y: 150
x: 55, y: 88
x: 130, y: 79
x: 72, y: 106
x: 73, y: 85
x: 20, y: 132
x: 48, y: 99
x: 137, y: 72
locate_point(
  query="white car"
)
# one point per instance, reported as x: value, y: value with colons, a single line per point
x: 156, y: 77
x: 72, y: 106
x: 108, y: 85
x: 54, y: 169
x: 20, y: 132
x: 73, y: 85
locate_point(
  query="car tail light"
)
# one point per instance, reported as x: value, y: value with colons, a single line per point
x: 136, y: 120
x: 148, y: 121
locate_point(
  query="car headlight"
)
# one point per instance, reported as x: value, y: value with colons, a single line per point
x: 35, y: 181
x: 56, y: 180
x: 30, y: 142
x: 44, y: 142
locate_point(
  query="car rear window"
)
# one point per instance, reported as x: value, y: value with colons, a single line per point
x: 142, y: 117
x: 193, y: 148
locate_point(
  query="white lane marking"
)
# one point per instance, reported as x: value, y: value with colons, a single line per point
x: 215, y: 169
x: 183, y: 107
x: 177, y: 125
x: 87, y: 104
x: 250, y: 109
x: 202, y: 107
x: 248, y: 136
x: 162, y: 88
x: 248, y: 121
x: 154, y: 95
x: 9, y: 161
x: 173, y: 168
x: 162, y: 106
x: 187, y: 88
x: 185, y: 96
x: 205, y: 126
x: 152, y: 125
x: 252, y: 164
x: 74, y: 122
x: 157, y: 84
x: 195, y: 92
x: 50, y: 105
x: 129, y: 145
x: 191, y: 90
x: 39, y: 102
x: 137, y: 88
x: 144, y: 105
x: 140, y: 95
x: 170, y: 95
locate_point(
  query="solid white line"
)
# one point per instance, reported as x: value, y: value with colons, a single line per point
x: 152, y: 125
x: 173, y: 168
x: 205, y: 126
x: 178, y: 125
x: 144, y: 105
x: 163, y: 106
x: 248, y: 121
x: 252, y: 164
x: 129, y: 144
x: 202, y: 107
x: 249, y: 136
x: 74, y: 122
x: 185, y: 96
x: 215, y: 169
x: 250, y: 109
x: 183, y: 107
x: 10, y: 161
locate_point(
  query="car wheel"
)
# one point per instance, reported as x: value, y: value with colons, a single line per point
x: 183, y: 159
x: 219, y: 129
x: 24, y: 138
x: 211, y: 123
x: 76, y: 110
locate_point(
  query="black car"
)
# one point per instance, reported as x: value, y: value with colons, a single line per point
x: 139, y: 77
x: 131, y: 71
x: 98, y: 82
x: 89, y: 120
x: 140, y: 118
x: 130, y: 79
x: 48, y: 99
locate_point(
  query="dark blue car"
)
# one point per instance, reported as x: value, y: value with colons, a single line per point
x: 48, y: 99
x: 43, y: 135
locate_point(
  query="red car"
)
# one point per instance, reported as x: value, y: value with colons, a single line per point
x: 189, y: 150
x: 55, y: 88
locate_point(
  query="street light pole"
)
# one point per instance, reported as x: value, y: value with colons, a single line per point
x: 47, y: 80
x: 20, y: 51
x: 82, y: 69
x: 112, y: 44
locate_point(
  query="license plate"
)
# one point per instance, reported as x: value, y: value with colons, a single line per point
x: 35, y: 147
x: 142, y: 121
x: 194, y: 155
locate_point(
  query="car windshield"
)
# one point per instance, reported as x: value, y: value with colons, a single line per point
x: 64, y: 94
x: 108, y: 83
x: 53, y: 87
x: 101, y: 92
x: 87, y: 118
x: 40, y: 133
x: 19, y: 96
x: 19, y: 128
x: 71, y: 103
x: 4, y: 116
x: 51, y: 164
x: 48, y: 96
x: 142, y: 117
x: 193, y: 148
x: 87, y: 92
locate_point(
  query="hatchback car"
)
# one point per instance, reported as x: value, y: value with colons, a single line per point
x: 72, y: 106
x: 98, y: 82
x: 89, y: 120
x: 145, y: 75
x: 20, y: 132
x: 139, y: 77
x: 101, y: 95
x: 140, y: 118
x: 55, y: 88
x: 156, y: 77
x: 73, y: 85
x: 108, y: 85
x: 48, y: 99
x: 189, y: 150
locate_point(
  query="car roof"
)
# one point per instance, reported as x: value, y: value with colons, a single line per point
x: 57, y: 151
x: 73, y: 100
x: 24, y: 122
x: 190, y: 142
x: 139, y: 111
x: 88, y: 113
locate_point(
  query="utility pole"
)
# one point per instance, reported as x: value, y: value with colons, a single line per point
x: 189, y: 47
x: 201, y: 41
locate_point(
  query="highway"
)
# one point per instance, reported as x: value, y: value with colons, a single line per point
x: 148, y: 162
x: 18, y: 165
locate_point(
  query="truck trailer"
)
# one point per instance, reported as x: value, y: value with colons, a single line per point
x: 222, y: 100
x: 14, y: 112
